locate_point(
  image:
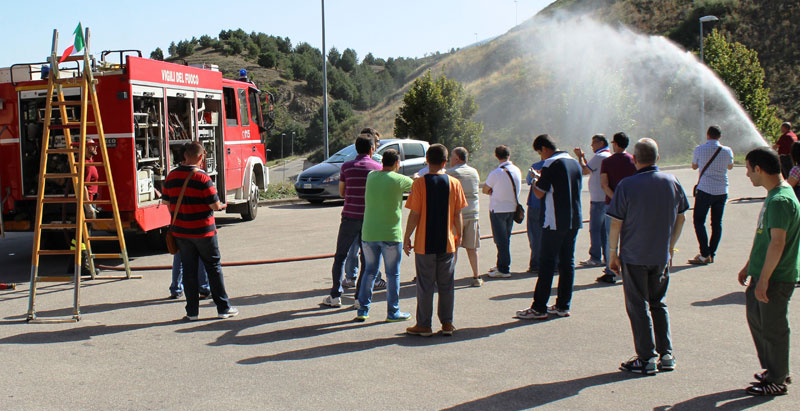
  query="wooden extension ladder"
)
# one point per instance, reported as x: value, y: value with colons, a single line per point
x: 79, y: 195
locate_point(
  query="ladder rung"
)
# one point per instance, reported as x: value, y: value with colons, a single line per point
x: 107, y: 256
x: 68, y: 103
x: 60, y: 175
x: 70, y: 125
x: 96, y: 183
x: 56, y: 252
x: 104, y: 238
x: 55, y: 279
x: 99, y: 220
x: 62, y: 150
x: 59, y: 200
x: 98, y: 202
x: 69, y: 81
x: 56, y: 226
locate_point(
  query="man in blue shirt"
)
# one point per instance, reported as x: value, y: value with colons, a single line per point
x: 714, y: 160
x: 646, y: 219
x: 534, y: 218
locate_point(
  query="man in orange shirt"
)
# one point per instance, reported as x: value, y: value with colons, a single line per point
x: 435, y: 202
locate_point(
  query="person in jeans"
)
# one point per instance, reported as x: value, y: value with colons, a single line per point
x: 503, y: 186
x: 613, y: 170
x: 195, y: 230
x: 712, y: 193
x: 352, y: 182
x: 381, y: 235
x: 351, y: 268
x: 773, y: 272
x: 598, y: 232
x: 176, y: 288
x: 534, y: 218
x: 646, y: 221
x: 470, y: 182
x: 436, y: 202
x: 559, y: 184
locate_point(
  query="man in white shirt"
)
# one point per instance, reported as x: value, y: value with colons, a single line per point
x: 471, y: 233
x: 598, y: 231
x: 502, y: 185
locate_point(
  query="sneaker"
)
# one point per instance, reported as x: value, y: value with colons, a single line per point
x: 448, y: 329
x: 476, y: 282
x: 592, y: 263
x: 348, y: 283
x: 493, y: 269
x: 666, y: 362
x: 498, y: 274
x: 557, y: 311
x: 203, y: 295
x: 189, y: 318
x: 531, y: 314
x: 232, y: 312
x: 607, y: 278
x: 356, y: 305
x: 361, y: 318
x: 397, y: 317
x: 332, y: 301
x: 638, y: 366
x: 761, y: 376
x: 421, y: 331
x: 700, y: 260
x: 175, y: 296
x: 379, y: 285
x: 767, y: 388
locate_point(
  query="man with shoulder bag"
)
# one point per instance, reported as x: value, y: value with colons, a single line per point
x: 503, y: 185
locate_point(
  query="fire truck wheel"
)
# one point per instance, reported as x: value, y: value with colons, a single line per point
x: 252, y: 204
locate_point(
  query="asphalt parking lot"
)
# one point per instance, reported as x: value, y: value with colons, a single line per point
x: 284, y: 351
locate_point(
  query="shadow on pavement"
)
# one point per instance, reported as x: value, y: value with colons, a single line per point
x: 731, y: 400
x: 528, y: 294
x: 734, y: 298
x: 535, y: 395
x: 79, y: 333
x: 404, y: 340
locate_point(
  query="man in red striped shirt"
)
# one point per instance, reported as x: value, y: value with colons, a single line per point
x: 195, y: 230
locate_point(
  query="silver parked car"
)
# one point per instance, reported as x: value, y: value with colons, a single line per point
x: 321, y: 182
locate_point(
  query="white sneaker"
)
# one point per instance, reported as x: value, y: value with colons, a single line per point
x: 356, y: 305
x: 498, y: 274
x: 332, y: 301
x: 493, y: 269
x: 232, y: 312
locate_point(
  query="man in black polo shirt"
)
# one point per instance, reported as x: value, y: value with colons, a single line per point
x: 559, y: 184
x: 195, y: 230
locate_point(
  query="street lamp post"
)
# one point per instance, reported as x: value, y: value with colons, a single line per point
x: 283, y: 135
x: 324, y: 84
x: 703, y: 19
x: 292, y: 143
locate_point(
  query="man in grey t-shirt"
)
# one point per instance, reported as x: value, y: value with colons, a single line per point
x: 471, y: 235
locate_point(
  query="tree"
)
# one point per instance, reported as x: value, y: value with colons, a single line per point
x: 741, y: 70
x: 157, y: 54
x: 369, y: 59
x: 334, y: 56
x: 185, y: 48
x: 267, y: 60
x: 172, y: 49
x: 205, y: 41
x: 348, y: 61
x: 439, y: 111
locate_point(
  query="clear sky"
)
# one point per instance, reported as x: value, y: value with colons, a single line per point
x: 387, y: 28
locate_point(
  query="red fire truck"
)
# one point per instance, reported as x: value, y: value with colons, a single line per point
x: 150, y: 109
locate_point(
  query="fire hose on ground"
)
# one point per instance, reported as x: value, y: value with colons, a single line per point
x: 316, y: 257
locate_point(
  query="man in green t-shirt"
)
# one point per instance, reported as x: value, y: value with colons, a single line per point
x: 773, y: 268
x: 382, y: 235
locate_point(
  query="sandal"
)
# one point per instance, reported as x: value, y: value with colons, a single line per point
x: 767, y: 389
x: 761, y: 376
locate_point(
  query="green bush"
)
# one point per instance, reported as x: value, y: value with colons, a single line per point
x: 277, y: 191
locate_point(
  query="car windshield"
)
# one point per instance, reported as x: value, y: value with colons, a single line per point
x: 349, y: 153
x: 346, y: 154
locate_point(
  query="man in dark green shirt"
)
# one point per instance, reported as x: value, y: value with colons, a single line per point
x: 773, y: 269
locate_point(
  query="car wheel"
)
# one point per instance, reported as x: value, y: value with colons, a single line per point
x: 252, y: 204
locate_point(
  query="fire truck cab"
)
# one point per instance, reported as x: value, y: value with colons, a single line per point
x: 150, y: 109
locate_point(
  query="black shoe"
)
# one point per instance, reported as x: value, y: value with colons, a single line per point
x: 760, y: 376
x: 203, y: 296
x: 766, y: 389
x: 607, y: 278
x: 638, y: 366
x: 175, y: 296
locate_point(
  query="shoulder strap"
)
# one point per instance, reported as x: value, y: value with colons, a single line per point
x: 708, y: 164
x: 513, y: 184
x: 180, y: 197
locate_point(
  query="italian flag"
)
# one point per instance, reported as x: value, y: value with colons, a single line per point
x: 77, y: 44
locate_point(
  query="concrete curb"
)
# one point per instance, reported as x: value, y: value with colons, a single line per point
x: 280, y: 201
